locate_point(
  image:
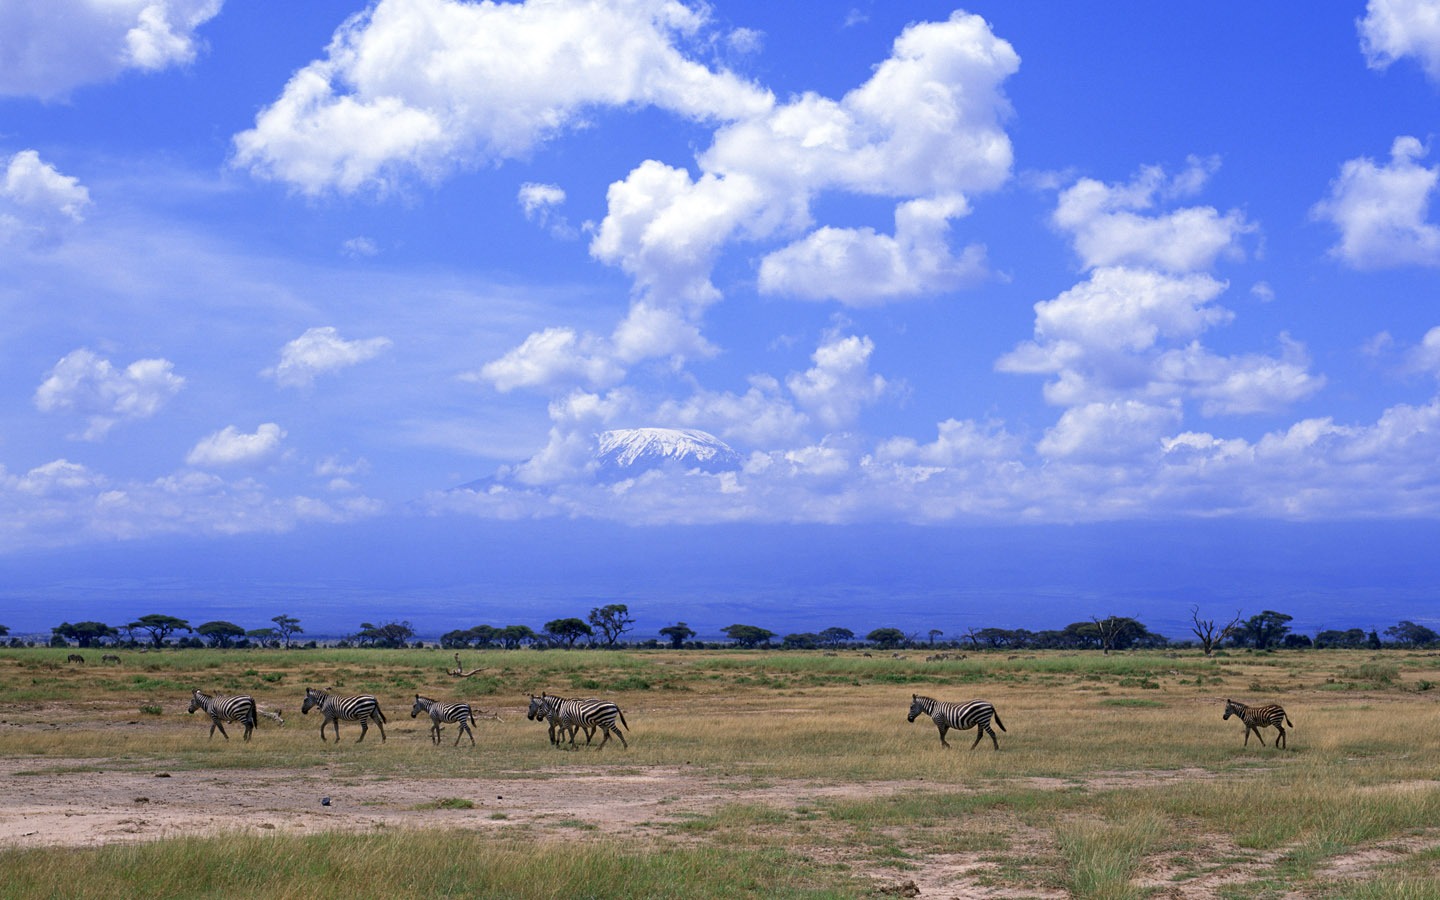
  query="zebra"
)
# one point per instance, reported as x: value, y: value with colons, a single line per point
x: 240, y: 708
x: 363, y: 709
x: 1258, y: 717
x: 75, y: 658
x: 589, y: 714
x: 110, y: 658
x: 445, y: 712
x: 976, y: 714
x: 541, y: 708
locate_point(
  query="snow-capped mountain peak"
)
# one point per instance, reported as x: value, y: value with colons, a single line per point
x: 631, y: 450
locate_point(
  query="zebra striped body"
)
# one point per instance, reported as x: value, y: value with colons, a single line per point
x: 363, y: 709
x: 1258, y: 717
x: 588, y: 714
x: 445, y: 712
x: 976, y: 714
x: 221, y: 709
x: 75, y: 658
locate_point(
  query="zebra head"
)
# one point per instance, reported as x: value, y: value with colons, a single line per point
x: 540, y: 706
x: 422, y: 705
x: 919, y: 706
x: 313, y: 698
x: 195, y: 701
x: 1231, y: 709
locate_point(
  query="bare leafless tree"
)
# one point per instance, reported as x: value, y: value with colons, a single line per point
x: 1208, y: 632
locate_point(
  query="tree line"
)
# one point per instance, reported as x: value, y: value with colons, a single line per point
x: 606, y: 627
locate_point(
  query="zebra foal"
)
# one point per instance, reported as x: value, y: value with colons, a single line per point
x: 221, y: 709
x: 976, y: 714
x: 439, y: 713
x: 1258, y: 717
x: 363, y: 709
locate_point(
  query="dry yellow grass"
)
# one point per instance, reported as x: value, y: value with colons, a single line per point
x: 1116, y: 775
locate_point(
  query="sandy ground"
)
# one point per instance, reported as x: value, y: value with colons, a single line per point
x: 103, y: 806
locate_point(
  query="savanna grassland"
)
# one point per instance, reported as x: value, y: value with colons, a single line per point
x: 770, y: 774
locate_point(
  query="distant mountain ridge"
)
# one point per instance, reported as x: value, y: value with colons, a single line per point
x: 631, y: 451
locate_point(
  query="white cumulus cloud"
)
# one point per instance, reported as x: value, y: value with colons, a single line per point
x: 321, y: 350
x: 231, y: 447
x: 86, y: 383
x: 1393, y: 29
x: 50, y: 47
x: 427, y: 86
x: 1382, y: 210
x: 36, y: 201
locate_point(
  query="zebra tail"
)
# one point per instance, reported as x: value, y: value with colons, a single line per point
x: 1288, y: 722
x: 381, y: 713
x: 998, y: 722
x: 621, y: 713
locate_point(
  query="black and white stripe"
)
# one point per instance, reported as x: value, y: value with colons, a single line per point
x: 976, y: 714
x: 221, y: 709
x: 363, y: 709
x: 439, y: 713
x: 589, y: 714
x: 1258, y: 717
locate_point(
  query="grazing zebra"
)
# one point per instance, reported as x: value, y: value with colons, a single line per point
x: 589, y: 714
x: 75, y: 658
x: 240, y: 708
x: 976, y: 714
x: 445, y: 712
x: 1258, y: 717
x: 110, y: 658
x: 363, y: 709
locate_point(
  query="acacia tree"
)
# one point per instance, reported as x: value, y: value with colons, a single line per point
x: 613, y: 620
x: 886, y: 638
x: 568, y: 631
x: 391, y: 634
x: 678, y: 634
x: 220, y: 634
x: 836, y: 636
x: 86, y: 634
x: 160, y: 627
x: 1208, y: 633
x: 1264, y: 630
x: 748, y: 635
x: 286, y: 626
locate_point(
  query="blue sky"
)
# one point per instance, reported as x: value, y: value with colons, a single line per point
x: 275, y: 271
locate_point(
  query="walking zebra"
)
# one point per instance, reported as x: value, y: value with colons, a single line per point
x: 75, y: 658
x: 589, y: 714
x: 976, y: 714
x: 363, y: 709
x: 221, y: 709
x: 445, y: 712
x: 1258, y: 717
x: 110, y: 658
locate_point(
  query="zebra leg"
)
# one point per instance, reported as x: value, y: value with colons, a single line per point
x: 980, y: 733
x: 435, y: 733
x: 214, y: 724
x: 465, y: 729
x: 618, y: 735
x: 364, y: 727
x: 1280, y: 738
x: 943, y: 728
x: 993, y: 739
x: 380, y: 724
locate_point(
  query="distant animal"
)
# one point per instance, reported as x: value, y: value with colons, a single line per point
x: 221, y: 709
x: 273, y: 715
x: 363, y: 709
x: 1258, y: 717
x: 445, y: 712
x: 589, y: 714
x: 75, y: 658
x: 976, y: 714
x: 110, y: 658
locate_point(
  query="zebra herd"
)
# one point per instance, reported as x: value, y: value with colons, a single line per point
x: 562, y: 714
x: 978, y: 714
x: 591, y: 715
